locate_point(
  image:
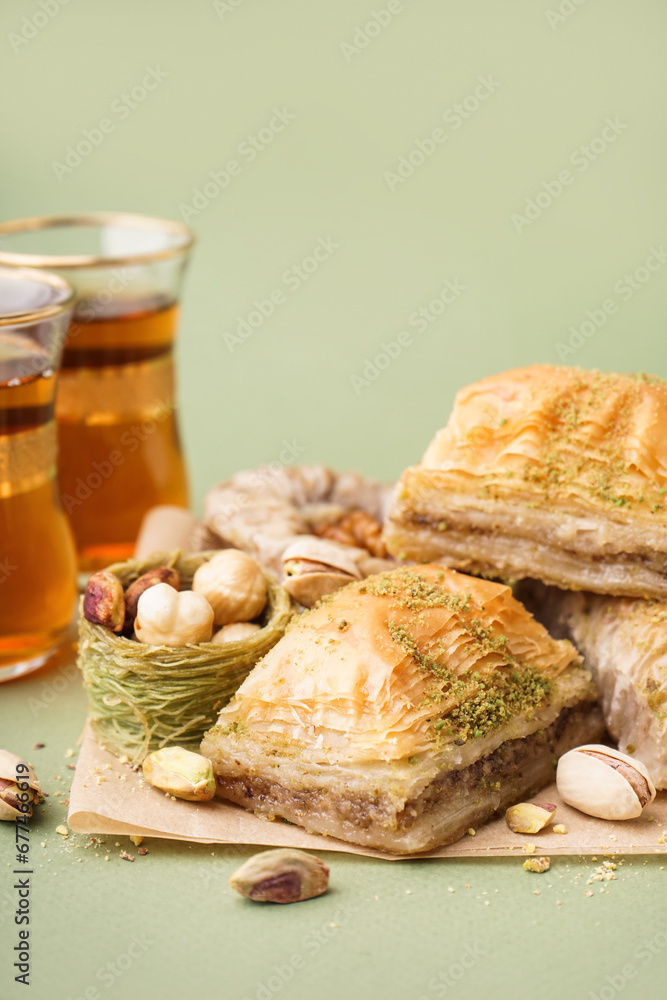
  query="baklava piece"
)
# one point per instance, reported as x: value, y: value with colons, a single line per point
x: 403, y: 710
x: 548, y: 472
x: 624, y: 643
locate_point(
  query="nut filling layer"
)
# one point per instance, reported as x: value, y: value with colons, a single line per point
x: 447, y: 807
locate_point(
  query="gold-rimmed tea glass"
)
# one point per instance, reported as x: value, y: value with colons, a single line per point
x: 37, y: 557
x: 120, y: 452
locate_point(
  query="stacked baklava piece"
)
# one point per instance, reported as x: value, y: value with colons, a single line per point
x: 410, y: 706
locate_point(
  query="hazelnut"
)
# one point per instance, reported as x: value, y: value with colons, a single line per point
x: 233, y: 584
x: 166, y: 617
x: 161, y: 574
x: 235, y: 632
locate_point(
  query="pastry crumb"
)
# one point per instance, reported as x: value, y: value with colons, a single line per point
x: 538, y: 865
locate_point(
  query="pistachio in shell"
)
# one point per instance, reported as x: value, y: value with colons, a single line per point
x: 19, y: 787
x: 282, y: 875
x: 104, y: 601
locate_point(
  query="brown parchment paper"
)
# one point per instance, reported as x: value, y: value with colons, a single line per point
x: 108, y: 797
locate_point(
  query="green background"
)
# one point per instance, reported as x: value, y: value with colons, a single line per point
x: 361, y: 99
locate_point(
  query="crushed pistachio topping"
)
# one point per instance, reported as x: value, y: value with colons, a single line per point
x: 237, y: 726
x: 656, y: 699
x: 602, y: 469
x: 496, y: 703
x: 482, y: 703
x: 427, y: 663
x: 410, y: 590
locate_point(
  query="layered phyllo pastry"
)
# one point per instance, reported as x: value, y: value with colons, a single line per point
x: 548, y: 472
x: 403, y: 710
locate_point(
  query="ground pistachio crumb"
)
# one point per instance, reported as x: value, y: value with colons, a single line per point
x: 538, y: 865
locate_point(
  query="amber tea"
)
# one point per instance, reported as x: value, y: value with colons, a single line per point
x: 37, y: 560
x: 117, y: 431
x: 119, y: 452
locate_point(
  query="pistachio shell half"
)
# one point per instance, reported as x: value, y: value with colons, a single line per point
x: 281, y: 876
x: 603, y: 782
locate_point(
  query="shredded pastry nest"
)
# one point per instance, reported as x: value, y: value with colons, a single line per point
x: 142, y: 697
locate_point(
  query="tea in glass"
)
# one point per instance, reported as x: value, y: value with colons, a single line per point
x: 37, y: 557
x: 118, y: 436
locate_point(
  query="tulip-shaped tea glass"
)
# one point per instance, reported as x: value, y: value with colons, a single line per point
x: 117, y: 433
x: 37, y: 557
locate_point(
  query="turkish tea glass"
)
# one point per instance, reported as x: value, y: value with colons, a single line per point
x: 37, y: 556
x: 120, y: 452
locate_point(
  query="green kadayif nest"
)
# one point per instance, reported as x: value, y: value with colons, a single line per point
x: 143, y: 697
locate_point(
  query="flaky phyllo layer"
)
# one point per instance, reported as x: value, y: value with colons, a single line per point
x: 555, y: 473
x: 561, y: 436
x: 624, y: 642
x: 408, y: 666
